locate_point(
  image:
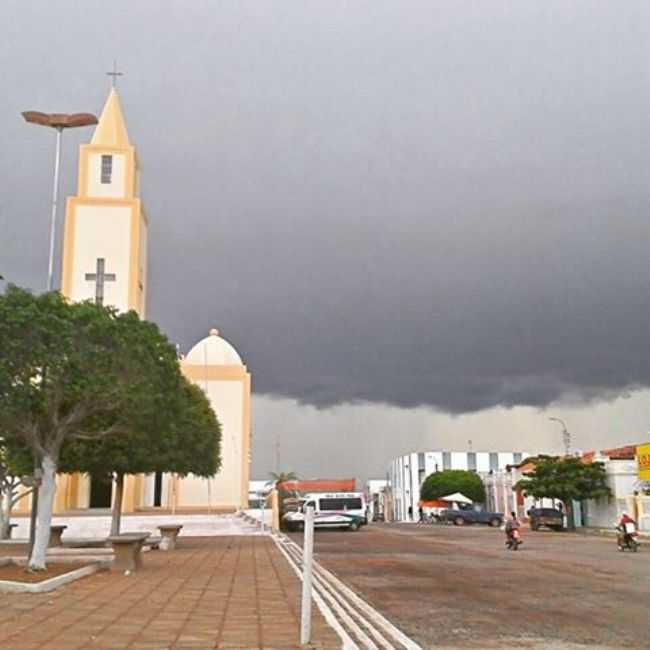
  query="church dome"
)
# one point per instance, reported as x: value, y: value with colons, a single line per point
x: 213, y: 351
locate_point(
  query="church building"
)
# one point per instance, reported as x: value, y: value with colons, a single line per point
x: 105, y: 246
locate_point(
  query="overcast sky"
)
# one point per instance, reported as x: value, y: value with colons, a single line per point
x: 419, y: 222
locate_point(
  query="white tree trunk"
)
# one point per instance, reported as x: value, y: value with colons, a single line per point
x: 116, y: 519
x: 5, y: 513
x: 44, y: 515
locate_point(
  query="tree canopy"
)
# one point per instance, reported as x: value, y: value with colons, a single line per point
x: 567, y: 479
x: 441, y: 484
x: 15, y: 462
x: 75, y: 371
x: 83, y: 387
x: 278, y: 478
x: 182, y: 436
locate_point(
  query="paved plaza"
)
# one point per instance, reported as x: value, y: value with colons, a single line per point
x: 223, y: 592
x: 457, y: 587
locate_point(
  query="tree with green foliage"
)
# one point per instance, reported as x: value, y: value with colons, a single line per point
x: 74, y: 371
x: 449, y: 481
x: 278, y: 478
x: 15, y: 462
x: 568, y: 479
x: 182, y: 437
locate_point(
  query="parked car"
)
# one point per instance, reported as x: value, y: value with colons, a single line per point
x: 470, y: 515
x: 549, y: 517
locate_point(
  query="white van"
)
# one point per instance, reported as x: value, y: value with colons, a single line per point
x: 335, y: 510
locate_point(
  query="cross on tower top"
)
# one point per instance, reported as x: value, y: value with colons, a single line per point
x: 114, y: 74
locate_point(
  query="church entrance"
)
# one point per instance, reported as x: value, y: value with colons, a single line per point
x: 101, y: 491
x: 157, y: 489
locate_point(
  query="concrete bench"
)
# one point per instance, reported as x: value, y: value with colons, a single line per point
x: 169, y: 533
x: 56, y: 532
x: 127, y: 548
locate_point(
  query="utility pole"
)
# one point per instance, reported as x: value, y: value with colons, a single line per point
x: 566, y: 436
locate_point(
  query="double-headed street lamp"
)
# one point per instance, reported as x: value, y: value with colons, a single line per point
x: 57, y: 121
x: 566, y: 436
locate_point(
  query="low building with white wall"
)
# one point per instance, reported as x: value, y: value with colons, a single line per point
x: 630, y: 494
x: 376, y: 498
x: 407, y: 473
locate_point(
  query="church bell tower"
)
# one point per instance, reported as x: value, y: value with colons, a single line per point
x: 105, y: 237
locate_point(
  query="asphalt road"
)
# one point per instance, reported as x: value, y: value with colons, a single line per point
x: 457, y: 587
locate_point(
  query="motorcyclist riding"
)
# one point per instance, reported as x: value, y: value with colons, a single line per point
x: 512, y: 525
x: 626, y: 531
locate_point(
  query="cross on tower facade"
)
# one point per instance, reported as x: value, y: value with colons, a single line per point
x: 114, y: 74
x: 100, y: 277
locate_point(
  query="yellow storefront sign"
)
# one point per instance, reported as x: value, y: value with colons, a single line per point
x: 643, y: 456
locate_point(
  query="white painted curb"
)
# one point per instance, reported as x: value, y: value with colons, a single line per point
x: 10, y: 586
x: 328, y: 615
x: 346, y: 609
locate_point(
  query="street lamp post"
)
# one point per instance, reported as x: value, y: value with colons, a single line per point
x: 57, y: 121
x: 566, y: 436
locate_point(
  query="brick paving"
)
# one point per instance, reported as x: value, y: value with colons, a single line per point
x: 223, y: 592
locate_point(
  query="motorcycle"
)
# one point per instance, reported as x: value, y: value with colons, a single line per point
x: 627, y: 540
x: 514, y: 540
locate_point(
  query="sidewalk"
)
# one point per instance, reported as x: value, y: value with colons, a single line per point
x: 194, y: 525
x: 220, y: 592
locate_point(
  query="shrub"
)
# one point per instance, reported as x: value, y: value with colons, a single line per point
x: 441, y: 484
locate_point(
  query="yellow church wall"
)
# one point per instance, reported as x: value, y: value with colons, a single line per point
x: 105, y: 220
x: 73, y: 493
x: 198, y: 374
x: 132, y: 497
x: 229, y: 390
x: 88, y: 151
x: 82, y: 496
x: 227, y: 399
x: 141, y: 268
x: 61, y: 495
x: 246, y: 442
x: 64, y: 498
x: 67, y: 264
x: 114, y: 226
x: 108, y: 221
x: 94, y: 239
x: 23, y: 506
x: 136, y: 249
x: 116, y: 189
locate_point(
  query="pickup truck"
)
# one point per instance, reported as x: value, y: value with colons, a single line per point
x: 471, y: 516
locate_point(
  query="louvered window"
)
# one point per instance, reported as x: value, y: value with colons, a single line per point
x: 107, y: 169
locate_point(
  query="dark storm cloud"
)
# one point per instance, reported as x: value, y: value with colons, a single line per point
x: 433, y: 203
